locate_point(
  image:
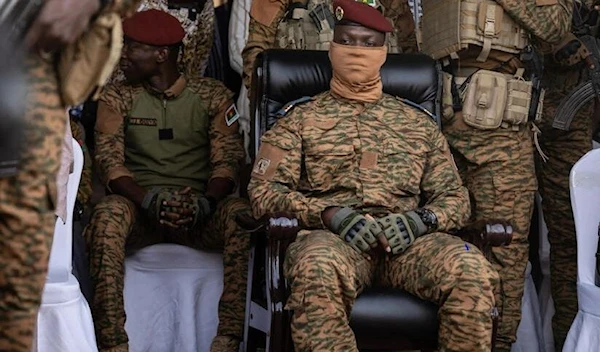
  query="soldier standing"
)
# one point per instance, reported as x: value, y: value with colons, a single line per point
x: 308, y: 25
x: 565, y: 69
x: 28, y: 199
x: 169, y: 151
x: 353, y: 164
x: 487, y: 103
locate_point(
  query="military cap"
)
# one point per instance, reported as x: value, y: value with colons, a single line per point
x: 153, y: 27
x: 363, y: 12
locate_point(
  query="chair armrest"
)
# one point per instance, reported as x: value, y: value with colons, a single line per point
x: 280, y: 229
x: 488, y: 234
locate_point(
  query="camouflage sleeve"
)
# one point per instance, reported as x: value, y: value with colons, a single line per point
x: 276, y: 174
x: 110, y: 136
x: 404, y: 24
x: 547, y: 20
x: 84, y: 193
x: 226, y: 143
x: 265, y: 15
x: 446, y: 197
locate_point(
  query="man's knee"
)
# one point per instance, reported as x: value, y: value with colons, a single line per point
x: 316, y: 251
x: 112, y: 217
x: 475, y: 276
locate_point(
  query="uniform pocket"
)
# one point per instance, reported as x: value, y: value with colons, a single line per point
x: 485, y: 100
x: 403, y: 166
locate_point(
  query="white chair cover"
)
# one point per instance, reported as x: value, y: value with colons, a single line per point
x: 171, y: 297
x: 584, y: 335
x: 64, y: 319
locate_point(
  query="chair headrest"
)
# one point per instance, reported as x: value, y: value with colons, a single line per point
x: 286, y: 75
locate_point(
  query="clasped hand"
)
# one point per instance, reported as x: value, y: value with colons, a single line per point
x: 394, y: 232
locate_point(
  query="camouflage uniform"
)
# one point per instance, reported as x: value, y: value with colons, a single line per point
x: 198, y: 39
x: 118, y: 227
x: 497, y: 165
x: 85, y: 190
x: 379, y: 158
x: 563, y: 149
x: 27, y: 203
x: 266, y: 15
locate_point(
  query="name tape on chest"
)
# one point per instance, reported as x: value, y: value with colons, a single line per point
x: 141, y: 121
x: 231, y: 115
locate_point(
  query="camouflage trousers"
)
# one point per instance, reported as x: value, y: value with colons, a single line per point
x: 564, y: 149
x: 117, y: 227
x: 327, y: 275
x: 27, y: 210
x: 497, y: 166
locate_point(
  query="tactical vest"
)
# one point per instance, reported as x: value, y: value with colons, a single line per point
x: 453, y: 25
x: 310, y: 27
x: 167, y: 142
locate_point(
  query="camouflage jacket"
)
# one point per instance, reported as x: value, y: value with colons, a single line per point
x: 201, y: 117
x: 382, y: 157
x: 265, y: 16
x: 549, y: 21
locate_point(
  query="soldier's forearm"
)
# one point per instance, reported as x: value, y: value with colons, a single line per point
x: 219, y: 188
x: 125, y: 186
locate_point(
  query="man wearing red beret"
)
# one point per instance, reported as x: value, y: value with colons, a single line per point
x: 168, y: 150
x: 373, y: 182
x: 308, y: 25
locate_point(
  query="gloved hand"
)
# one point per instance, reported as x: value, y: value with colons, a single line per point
x: 357, y: 230
x: 173, y: 207
x: 201, y: 206
x: 401, y: 230
x: 153, y: 203
x: 570, y: 51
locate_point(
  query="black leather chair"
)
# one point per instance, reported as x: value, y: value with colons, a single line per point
x: 382, y: 319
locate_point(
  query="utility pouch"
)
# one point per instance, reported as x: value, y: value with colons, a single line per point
x: 518, y: 102
x: 485, y: 100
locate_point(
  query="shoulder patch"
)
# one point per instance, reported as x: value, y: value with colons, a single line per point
x: 289, y: 106
x: 420, y: 108
x: 231, y: 115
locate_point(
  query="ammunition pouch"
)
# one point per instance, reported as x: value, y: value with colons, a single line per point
x: 493, y: 100
x: 453, y: 25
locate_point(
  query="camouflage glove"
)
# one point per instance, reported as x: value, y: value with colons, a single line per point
x: 153, y: 201
x: 354, y: 228
x: 202, y: 207
x: 401, y: 230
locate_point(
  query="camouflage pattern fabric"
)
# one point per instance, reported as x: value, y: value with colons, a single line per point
x: 197, y: 42
x: 118, y: 228
x: 265, y: 16
x: 564, y: 149
x: 327, y: 275
x: 84, y: 193
x: 116, y: 225
x: 202, y: 95
x: 498, y: 169
x: 379, y: 158
x: 498, y: 165
x: 27, y: 203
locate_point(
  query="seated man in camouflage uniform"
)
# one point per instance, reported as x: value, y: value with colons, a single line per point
x: 354, y: 165
x: 168, y: 150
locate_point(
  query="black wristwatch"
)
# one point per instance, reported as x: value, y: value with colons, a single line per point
x: 428, y: 218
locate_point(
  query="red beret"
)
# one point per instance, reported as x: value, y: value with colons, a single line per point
x: 153, y: 27
x: 363, y: 12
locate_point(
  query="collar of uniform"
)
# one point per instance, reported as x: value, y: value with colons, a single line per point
x: 354, y: 102
x: 172, y: 92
